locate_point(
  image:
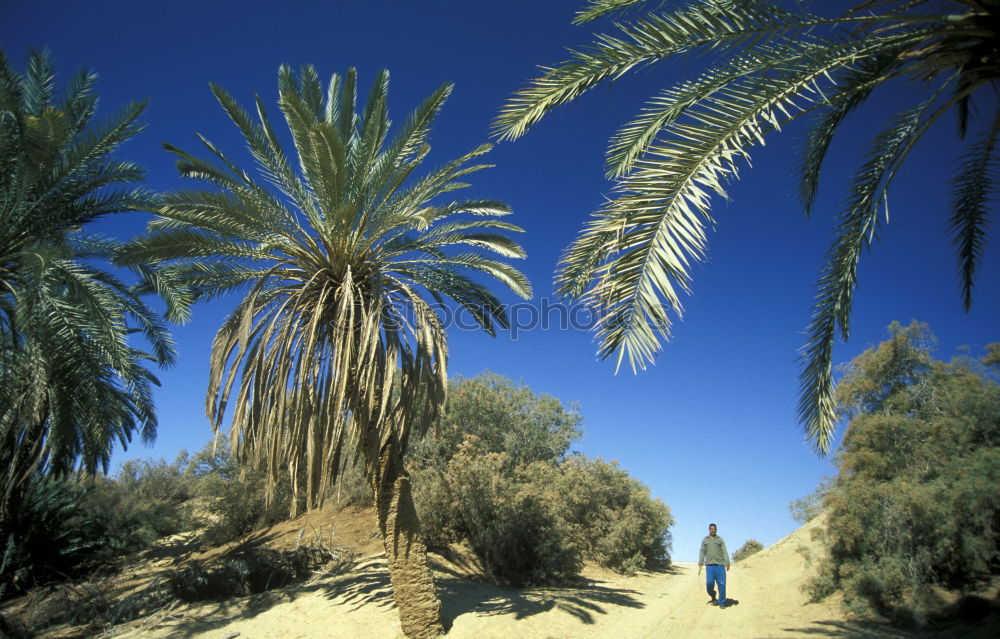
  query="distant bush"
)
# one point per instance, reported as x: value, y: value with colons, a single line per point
x: 148, y: 499
x: 809, y: 507
x: 352, y: 488
x: 751, y: 547
x: 916, y: 502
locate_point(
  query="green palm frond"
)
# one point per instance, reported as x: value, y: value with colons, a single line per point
x: 658, y: 220
x: 706, y: 25
x: 599, y: 8
x: 974, y: 186
x: 766, y: 65
x: 854, y: 88
x: 857, y: 228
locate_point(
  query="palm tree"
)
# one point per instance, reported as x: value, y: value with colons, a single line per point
x: 335, y: 353
x: 71, y: 382
x: 769, y: 65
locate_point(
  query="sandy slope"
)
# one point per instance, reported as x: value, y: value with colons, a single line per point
x: 358, y: 605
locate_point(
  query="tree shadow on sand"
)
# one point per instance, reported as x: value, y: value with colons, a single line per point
x: 460, y: 593
x: 367, y: 584
x: 850, y: 630
x: 584, y: 599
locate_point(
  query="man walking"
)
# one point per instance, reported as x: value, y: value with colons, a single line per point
x: 714, y: 556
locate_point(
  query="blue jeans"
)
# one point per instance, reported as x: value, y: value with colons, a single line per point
x: 716, y: 573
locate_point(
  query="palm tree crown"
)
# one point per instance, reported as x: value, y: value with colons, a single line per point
x: 71, y: 383
x: 770, y: 65
x: 335, y: 349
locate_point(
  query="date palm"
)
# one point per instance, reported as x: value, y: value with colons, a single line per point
x: 71, y: 382
x: 768, y: 65
x: 335, y: 351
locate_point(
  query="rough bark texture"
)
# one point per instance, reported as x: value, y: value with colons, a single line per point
x: 409, y: 571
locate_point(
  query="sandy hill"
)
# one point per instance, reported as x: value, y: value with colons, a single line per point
x: 357, y: 604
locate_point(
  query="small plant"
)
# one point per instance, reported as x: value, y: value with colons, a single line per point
x: 751, y: 547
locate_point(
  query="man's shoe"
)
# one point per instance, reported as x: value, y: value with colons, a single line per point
x: 713, y: 601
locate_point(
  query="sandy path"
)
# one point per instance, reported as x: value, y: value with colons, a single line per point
x: 358, y: 605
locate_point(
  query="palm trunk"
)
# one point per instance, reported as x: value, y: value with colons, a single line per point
x: 409, y: 571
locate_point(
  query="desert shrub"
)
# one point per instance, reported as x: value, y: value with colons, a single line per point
x: 147, y: 499
x: 521, y: 543
x: 916, y: 501
x: 496, y: 474
x: 535, y: 524
x: 473, y: 498
x: 604, y: 512
x: 235, y: 499
x: 751, y: 547
x: 352, y: 488
x: 245, y: 571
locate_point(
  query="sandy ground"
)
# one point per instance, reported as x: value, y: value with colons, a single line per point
x: 358, y: 605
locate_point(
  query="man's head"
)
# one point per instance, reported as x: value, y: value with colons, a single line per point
x: 712, y: 529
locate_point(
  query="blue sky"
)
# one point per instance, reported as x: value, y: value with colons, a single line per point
x: 711, y: 428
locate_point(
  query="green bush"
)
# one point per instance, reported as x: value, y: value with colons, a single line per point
x: 149, y: 499
x: 352, y: 488
x: 916, y: 502
x: 535, y: 524
x: 504, y: 418
x: 513, y: 535
x: 751, y: 547
x: 496, y: 474
x: 53, y: 533
x: 604, y: 512
x: 234, y: 500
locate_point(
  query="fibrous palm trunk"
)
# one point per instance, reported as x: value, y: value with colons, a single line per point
x: 409, y: 571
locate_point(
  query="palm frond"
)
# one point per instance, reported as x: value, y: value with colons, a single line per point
x: 599, y: 8
x: 703, y: 26
x: 73, y: 387
x: 974, y: 186
x: 658, y: 219
x: 852, y: 89
x: 38, y: 85
x: 856, y: 229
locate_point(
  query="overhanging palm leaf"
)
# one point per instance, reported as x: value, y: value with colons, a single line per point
x: 768, y: 66
x: 333, y: 354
